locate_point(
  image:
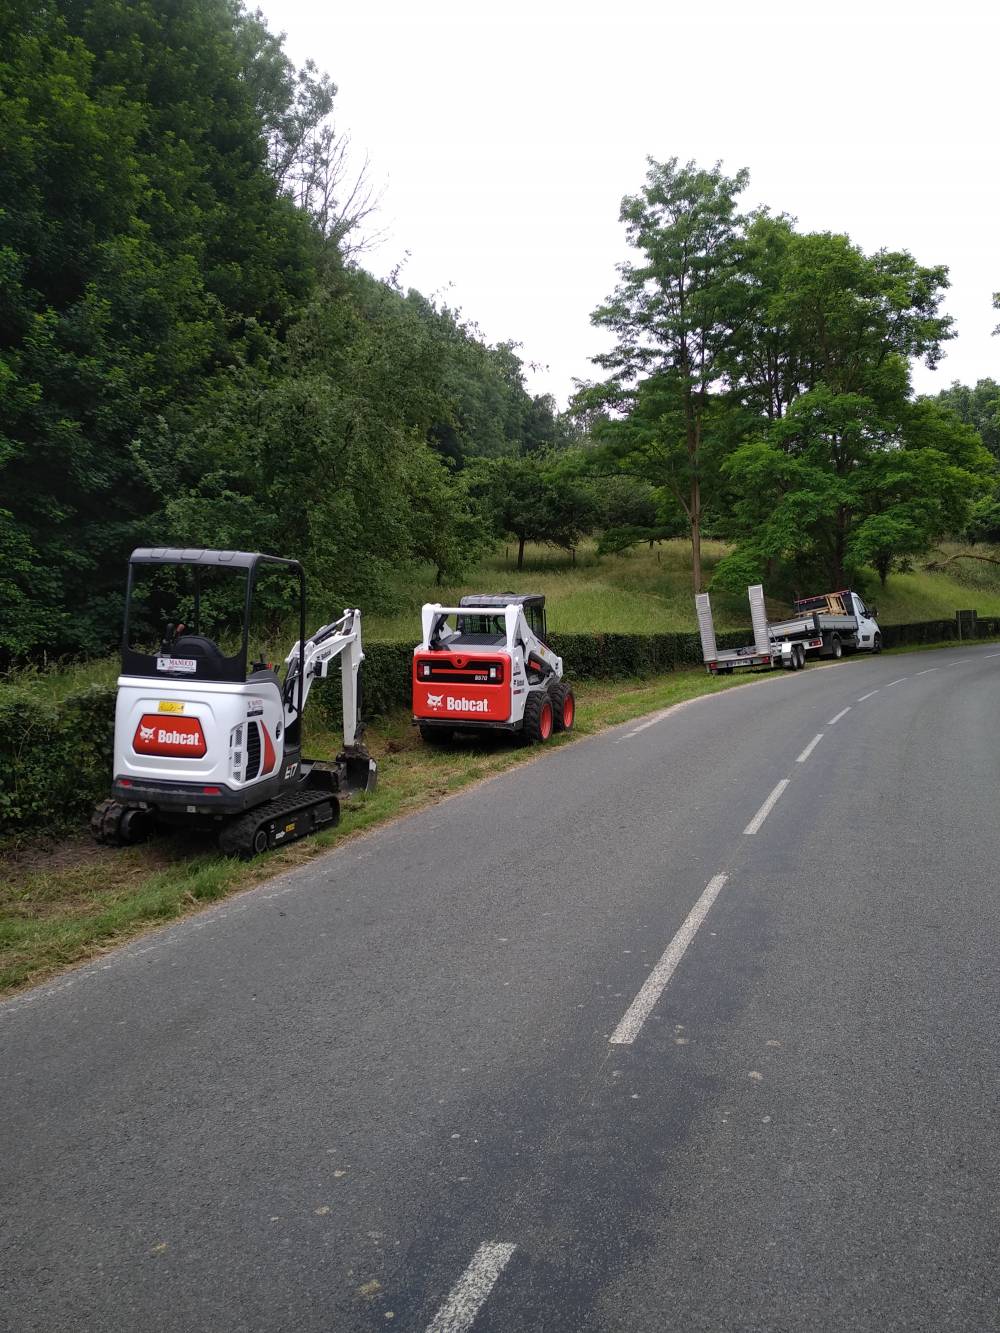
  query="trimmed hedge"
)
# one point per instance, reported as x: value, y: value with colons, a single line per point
x: 56, y: 756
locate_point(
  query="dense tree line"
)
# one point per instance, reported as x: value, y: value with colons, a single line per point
x: 760, y: 381
x: 187, y: 353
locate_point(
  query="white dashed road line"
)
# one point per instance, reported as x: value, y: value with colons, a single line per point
x: 895, y: 682
x: 470, y: 1291
x: 991, y: 654
x: 767, y: 807
x: 641, y: 1007
x: 843, y: 713
x: 927, y: 671
x: 809, y: 749
x: 868, y: 695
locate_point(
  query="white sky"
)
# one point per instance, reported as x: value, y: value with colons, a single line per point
x: 504, y: 137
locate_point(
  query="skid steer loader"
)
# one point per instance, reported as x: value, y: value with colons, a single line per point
x: 206, y: 737
x: 485, y: 665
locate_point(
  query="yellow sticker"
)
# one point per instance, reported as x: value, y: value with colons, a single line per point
x: 170, y: 706
x: 289, y: 828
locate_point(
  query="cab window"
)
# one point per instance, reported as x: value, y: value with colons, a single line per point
x: 535, y: 616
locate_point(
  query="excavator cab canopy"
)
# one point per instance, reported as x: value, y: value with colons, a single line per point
x: 192, y: 614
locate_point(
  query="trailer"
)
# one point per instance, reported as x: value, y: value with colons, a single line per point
x: 765, y: 652
x: 830, y: 624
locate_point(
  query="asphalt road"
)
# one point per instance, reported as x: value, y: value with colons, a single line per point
x: 570, y: 1051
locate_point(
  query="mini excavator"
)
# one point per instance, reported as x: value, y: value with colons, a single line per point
x: 206, y: 737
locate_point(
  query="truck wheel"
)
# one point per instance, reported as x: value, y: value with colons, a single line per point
x: 877, y: 643
x: 800, y: 657
x: 539, y: 716
x: 436, y: 735
x: 836, y: 647
x: 563, y: 707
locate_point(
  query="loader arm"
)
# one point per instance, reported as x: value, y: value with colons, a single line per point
x: 341, y: 638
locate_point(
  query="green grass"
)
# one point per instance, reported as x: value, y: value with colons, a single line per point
x: 68, y: 902
x: 641, y: 591
x: 937, y: 595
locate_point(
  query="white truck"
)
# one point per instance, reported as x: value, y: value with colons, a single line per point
x: 827, y: 624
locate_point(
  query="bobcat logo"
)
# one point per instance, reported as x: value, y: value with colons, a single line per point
x: 146, y: 733
x: 435, y: 700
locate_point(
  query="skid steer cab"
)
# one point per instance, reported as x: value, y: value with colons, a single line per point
x: 207, y: 733
x: 484, y: 665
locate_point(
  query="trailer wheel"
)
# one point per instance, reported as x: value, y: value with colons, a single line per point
x: 539, y: 717
x: 563, y: 707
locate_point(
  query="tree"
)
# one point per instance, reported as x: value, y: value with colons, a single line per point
x: 839, y: 465
x: 535, y: 498
x: 671, y: 318
x: 978, y: 407
x: 143, y: 248
x: 839, y: 483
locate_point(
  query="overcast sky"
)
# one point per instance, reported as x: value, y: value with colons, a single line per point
x: 504, y: 137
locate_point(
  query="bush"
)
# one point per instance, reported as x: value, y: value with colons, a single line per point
x: 55, y: 757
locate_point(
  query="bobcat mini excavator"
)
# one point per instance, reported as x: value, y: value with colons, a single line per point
x: 206, y: 737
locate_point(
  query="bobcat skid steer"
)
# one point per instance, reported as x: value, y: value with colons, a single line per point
x: 485, y: 665
x: 207, y: 737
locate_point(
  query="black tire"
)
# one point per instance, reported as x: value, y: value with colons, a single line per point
x: 800, y: 657
x: 539, y: 717
x: 436, y: 735
x: 106, y: 823
x: 877, y: 643
x: 563, y: 707
x: 836, y: 647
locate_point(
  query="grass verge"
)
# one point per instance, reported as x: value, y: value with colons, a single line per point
x: 64, y: 903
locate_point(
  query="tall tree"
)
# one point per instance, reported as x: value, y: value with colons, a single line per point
x: 840, y: 466
x: 143, y: 247
x: 671, y: 319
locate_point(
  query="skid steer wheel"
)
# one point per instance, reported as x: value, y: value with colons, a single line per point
x: 436, y: 735
x: 539, y: 716
x: 563, y: 707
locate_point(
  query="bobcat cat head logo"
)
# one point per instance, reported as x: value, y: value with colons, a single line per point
x: 435, y: 700
x: 146, y: 733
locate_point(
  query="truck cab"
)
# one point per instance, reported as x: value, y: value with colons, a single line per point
x: 844, y: 617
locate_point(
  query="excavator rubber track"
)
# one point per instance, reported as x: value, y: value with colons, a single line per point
x: 285, y: 819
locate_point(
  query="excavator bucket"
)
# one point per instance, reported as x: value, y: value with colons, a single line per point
x: 359, y: 769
